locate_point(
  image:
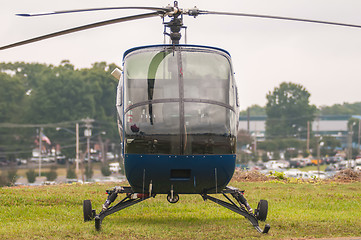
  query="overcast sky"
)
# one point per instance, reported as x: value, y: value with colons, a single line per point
x: 326, y: 60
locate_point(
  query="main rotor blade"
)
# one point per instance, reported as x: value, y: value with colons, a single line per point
x: 279, y: 18
x: 81, y: 28
x: 92, y: 9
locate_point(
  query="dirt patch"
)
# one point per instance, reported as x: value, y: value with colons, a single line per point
x: 347, y: 175
x: 250, y: 176
x: 344, y: 176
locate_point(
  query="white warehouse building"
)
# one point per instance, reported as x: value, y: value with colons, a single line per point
x: 324, y: 125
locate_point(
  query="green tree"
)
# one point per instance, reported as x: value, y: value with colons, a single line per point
x: 254, y: 110
x: 65, y: 94
x: 342, y: 109
x: 12, y: 108
x: 288, y: 110
x: 62, y: 96
x: 12, y: 93
x: 330, y: 144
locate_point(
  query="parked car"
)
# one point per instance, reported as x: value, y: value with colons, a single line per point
x: 318, y: 174
x: 295, y: 173
x: 358, y: 164
x: 297, y: 162
x: 276, y: 164
x: 114, y: 167
x: 315, y: 161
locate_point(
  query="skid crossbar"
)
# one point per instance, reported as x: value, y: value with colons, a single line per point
x: 126, y: 202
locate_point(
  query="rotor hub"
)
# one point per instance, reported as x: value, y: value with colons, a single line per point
x: 175, y: 24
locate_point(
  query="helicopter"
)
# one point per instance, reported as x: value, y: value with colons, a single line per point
x: 177, y: 113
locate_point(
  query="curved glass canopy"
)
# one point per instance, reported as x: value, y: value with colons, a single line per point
x: 179, y: 100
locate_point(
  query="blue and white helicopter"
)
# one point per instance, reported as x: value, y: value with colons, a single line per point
x: 177, y: 117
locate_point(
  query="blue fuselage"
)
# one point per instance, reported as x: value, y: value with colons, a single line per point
x: 182, y: 174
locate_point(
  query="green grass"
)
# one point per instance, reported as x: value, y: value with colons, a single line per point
x: 313, y: 168
x: 295, y: 211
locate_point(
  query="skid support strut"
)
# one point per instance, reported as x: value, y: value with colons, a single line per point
x: 130, y: 199
x: 243, y: 209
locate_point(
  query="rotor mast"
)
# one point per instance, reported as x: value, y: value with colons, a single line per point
x: 175, y: 24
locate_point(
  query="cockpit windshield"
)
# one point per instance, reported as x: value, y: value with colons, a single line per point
x: 179, y: 100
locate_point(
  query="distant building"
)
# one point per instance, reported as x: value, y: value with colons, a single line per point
x: 324, y: 125
x: 255, y: 125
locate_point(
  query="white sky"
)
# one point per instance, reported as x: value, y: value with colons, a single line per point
x: 326, y: 60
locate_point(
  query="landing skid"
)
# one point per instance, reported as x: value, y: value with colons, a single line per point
x: 260, y: 214
x: 243, y: 209
x: 130, y: 199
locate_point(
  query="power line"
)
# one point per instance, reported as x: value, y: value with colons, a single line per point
x: 45, y: 125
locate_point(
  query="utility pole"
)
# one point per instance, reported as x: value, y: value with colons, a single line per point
x: 308, y: 137
x: 318, y: 155
x: 40, y: 148
x: 88, y: 134
x: 248, y: 130
x: 318, y: 145
x: 350, y: 133
x: 77, y: 149
x: 358, y: 138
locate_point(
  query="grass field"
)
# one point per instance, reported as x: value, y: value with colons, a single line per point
x: 302, y: 210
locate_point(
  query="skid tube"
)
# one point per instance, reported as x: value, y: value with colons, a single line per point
x: 244, y: 209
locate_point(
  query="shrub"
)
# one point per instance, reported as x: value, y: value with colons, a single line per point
x: 70, y: 173
x: 52, y: 175
x: 105, y: 170
x: 12, y: 176
x: 31, y: 176
x: 4, y: 181
x: 279, y: 175
x: 8, y: 178
x: 264, y: 157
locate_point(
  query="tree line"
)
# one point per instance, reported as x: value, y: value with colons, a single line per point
x: 55, y: 97
x: 335, y: 109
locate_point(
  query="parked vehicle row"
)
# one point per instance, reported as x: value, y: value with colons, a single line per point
x: 292, y: 168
